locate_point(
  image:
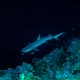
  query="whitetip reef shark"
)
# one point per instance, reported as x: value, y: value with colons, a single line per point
x: 38, y: 42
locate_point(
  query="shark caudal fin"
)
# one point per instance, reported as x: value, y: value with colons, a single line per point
x: 58, y: 35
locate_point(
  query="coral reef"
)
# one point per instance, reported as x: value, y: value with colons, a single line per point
x: 59, y: 64
x: 28, y: 76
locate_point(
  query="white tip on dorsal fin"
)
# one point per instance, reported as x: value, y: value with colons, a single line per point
x: 38, y: 37
x: 50, y: 35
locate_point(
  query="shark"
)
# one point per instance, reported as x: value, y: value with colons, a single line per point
x: 35, y: 44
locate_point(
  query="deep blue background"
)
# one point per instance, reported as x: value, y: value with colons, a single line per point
x: 20, y: 25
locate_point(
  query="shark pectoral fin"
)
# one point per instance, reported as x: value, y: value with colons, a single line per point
x: 46, y: 43
x: 38, y: 37
x: 36, y: 49
x: 32, y: 52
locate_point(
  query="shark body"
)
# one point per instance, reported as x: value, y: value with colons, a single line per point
x: 38, y: 42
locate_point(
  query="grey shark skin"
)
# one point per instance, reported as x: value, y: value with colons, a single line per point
x: 38, y: 42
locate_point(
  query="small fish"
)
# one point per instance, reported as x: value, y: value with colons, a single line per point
x: 38, y: 42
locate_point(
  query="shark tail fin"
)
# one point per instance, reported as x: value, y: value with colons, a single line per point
x: 58, y: 35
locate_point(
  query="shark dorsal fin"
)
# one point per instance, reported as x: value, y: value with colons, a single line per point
x: 38, y: 37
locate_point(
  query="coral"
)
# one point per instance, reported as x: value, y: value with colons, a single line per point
x: 28, y: 76
x: 62, y: 73
x: 6, y: 77
x: 66, y: 75
x: 76, y: 67
x: 47, y: 66
x: 74, y: 49
x: 25, y: 67
x: 2, y: 73
x: 59, y: 64
x: 76, y: 77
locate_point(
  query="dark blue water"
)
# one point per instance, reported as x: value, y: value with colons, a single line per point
x: 20, y: 26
